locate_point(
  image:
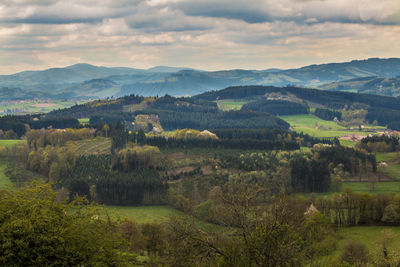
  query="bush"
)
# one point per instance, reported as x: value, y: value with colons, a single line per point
x: 355, y: 253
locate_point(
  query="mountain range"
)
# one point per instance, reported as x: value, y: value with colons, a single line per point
x: 374, y: 75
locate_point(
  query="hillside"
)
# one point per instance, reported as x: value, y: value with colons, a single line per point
x: 368, y: 85
x: 73, y: 81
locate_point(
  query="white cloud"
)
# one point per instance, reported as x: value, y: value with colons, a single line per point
x: 203, y: 34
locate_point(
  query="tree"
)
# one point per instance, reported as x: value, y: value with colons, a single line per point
x: 36, y: 230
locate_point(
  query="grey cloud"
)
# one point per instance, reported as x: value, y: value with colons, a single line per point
x: 301, y: 11
x: 163, y: 19
x: 62, y: 12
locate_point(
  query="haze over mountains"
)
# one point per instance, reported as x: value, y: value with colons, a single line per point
x: 375, y: 76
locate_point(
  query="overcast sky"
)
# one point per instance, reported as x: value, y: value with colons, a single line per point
x: 203, y: 34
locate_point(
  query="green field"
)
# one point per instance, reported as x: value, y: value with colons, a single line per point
x: 314, y: 126
x: 228, y: 104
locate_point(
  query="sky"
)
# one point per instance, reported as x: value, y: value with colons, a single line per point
x: 202, y: 34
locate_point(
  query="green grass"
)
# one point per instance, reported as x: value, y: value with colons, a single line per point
x: 380, y: 187
x: 157, y: 214
x: 314, y: 126
x: 10, y: 143
x: 228, y: 104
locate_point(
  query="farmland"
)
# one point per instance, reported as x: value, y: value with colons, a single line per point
x: 314, y: 126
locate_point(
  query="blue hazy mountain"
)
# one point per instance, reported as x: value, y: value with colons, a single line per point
x: 85, y: 80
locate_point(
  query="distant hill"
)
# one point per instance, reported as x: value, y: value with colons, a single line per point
x: 84, y: 80
x: 369, y: 85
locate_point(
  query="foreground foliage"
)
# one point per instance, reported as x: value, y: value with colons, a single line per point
x: 36, y: 230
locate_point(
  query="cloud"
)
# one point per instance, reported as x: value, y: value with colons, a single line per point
x: 202, y: 34
x: 61, y: 12
x: 307, y: 11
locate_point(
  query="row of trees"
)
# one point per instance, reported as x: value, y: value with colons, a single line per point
x: 382, y: 143
x: 276, y: 107
x: 56, y: 137
x: 332, y: 99
x: 350, y: 208
x: 327, y: 114
x: 21, y: 124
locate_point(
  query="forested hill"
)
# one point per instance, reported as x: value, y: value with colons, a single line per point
x: 368, y: 85
x: 331, y: 99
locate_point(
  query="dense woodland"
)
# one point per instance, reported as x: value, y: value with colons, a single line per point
x: 277, y: 107
x: 327, y: 114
